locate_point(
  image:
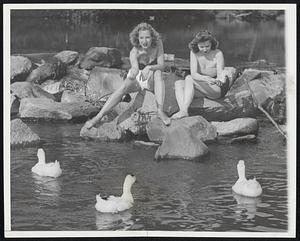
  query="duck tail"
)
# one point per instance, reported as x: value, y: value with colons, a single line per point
x: 241, y: 170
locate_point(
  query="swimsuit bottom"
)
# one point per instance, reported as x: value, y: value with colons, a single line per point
x: 143, y: 82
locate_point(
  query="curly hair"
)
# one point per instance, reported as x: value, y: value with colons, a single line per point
x: 203, y: 36
x: 134, y: 35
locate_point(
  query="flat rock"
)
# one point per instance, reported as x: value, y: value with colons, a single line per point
x: 51, y: 86
x: 38, y: 108
x: 200, y: 128
x: 239, y: 126
x: 246, y: 138
x: 70, y: 96
x: 181, y: 143
x: 20, y: 67
x: 21, y: 134
x: 29, y: 90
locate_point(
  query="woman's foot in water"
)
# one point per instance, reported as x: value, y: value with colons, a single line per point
x: 165, y: 119
x: 179, y: 115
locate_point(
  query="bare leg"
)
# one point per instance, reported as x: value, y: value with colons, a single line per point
x: 188, y: 97
x: 128, y: 86
x: 159, y: 91
x: 179, y: 92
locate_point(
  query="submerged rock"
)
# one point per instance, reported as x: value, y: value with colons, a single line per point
x: 101, y: 56
x: 45, y: 109
x: 181, y: 143
x: 145, y: 144
x: 239, y: 126
x: 200, y: 128
x: 20, y: 68
x: 21, y: 134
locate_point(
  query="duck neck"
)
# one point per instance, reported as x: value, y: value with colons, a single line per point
x: 42, y: 159
x: 241, y: 171
x: 127, y: 193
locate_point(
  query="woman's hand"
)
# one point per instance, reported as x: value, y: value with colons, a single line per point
x: 217, y: 82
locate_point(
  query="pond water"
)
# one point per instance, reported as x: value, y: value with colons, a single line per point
x: 239, y: 41
x: 169, y: 195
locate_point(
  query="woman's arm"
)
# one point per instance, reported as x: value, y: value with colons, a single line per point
x: 220, y: 63
x: 134, y: 70
x: 160, y: 58
x: 194, y: 70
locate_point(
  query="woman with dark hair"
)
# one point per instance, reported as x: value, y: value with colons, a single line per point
x: 208, y: 76
x: 147, y: 63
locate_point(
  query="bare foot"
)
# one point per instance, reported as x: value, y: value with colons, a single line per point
x: 89, y: 124
x: 165, y: 119
x: 179, y: 115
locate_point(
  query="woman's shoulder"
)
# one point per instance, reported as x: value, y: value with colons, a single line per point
x: 217, y: 52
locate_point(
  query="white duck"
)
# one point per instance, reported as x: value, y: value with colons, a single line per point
x: 114, y: 204
x: 42, y: 168
x: 244, y: 187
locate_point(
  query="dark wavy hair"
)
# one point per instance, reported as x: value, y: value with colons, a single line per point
x: 203, y: 36
x: 134, y: 35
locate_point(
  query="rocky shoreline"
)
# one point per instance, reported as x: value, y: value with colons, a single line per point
x: 68, y: 86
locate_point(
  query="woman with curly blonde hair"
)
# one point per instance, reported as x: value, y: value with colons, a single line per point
x: 147, y: 63
x: 208, y: 75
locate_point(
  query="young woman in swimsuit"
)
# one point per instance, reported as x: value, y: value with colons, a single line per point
x: 208, y: 76
x: 147, y: 63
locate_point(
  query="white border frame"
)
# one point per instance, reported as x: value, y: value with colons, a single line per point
x: 291, y: 60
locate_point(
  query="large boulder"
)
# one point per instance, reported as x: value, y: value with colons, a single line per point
x: 45, y: 109
x: 21, y: 134
x: 101, y: 56
x: 239, y: 101
x: 200, y: 128
x: 29, y: 90
x: 67, y: 57
x: 181, y: 143
x: 103, y: 82
x: 20, y: 68
x: 239, y: 126
x: 54, y: 69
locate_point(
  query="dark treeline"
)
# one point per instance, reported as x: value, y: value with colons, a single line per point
x: 101, y: 15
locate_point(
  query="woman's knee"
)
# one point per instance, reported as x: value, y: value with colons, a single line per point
x: 189, y: 79
x: 179, y: 84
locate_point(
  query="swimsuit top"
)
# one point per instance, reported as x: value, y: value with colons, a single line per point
x: 142, y: 65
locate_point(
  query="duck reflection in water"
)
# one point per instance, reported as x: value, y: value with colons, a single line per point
x: 47, y: 188
x: 114, y: 221
x: 245, y: 206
